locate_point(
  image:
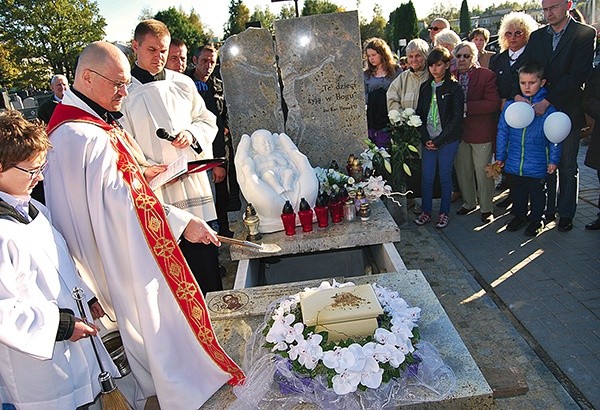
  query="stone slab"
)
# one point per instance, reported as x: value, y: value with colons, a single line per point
x: 506, y: 382
x: 320, y: 60
x: 251, y: 83
x: 236, y: 313
x: 381, y: 228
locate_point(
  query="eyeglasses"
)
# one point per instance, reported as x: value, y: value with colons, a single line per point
x: 513, y: 34
x: 553, y: 8
x: 464, y: 55
x: 435, y: 28
x: 118, y: 84
x: 33, y: 173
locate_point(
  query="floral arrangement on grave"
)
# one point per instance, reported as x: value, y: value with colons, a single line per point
x: 393, y: 162
x: 342, y: 344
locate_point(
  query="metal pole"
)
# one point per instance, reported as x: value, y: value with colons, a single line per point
x: 297, y: 14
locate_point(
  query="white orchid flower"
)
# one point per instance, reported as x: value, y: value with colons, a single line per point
x: 308, y: 352
x: 346, y: 382
x: 372, y: 374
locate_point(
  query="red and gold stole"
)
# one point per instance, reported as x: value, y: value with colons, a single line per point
x: 160, y: 239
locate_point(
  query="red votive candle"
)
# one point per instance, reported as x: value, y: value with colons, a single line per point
x: 288, y: 217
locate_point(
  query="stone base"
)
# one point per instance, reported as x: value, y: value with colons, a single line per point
x: 237, y: 313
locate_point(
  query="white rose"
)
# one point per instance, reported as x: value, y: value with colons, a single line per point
x: 414, y: 121
x: 394, y: 117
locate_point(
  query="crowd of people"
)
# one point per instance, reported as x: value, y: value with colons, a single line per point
x: 147, y: 257
x: 464, y: 132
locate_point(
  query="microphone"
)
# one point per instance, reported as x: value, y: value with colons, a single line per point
x: 163, y: 134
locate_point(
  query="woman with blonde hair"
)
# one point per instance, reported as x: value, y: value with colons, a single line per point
x: 380, y: 72
x: 513, y: 35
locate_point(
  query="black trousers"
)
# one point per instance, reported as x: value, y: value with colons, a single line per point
x: 528, y: 190
x: 203, y: 261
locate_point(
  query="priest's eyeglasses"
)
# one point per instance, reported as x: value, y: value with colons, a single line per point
x: 118, y: 84
x: 33, y: 173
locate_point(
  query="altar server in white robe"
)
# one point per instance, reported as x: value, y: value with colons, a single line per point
x: 117, y: 231
x: 161, y: 98
x: 46, y: 357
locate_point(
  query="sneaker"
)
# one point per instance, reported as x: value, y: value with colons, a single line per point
x: 423, y: 218
x: 533, y: 228
x: 516, y: 224
x: 442, y: 221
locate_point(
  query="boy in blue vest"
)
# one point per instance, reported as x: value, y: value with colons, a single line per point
x: 527, y: 154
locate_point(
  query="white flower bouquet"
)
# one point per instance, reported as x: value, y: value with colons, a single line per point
x: 291, y: 363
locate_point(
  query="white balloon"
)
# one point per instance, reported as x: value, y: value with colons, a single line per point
x: 519, y: 114
x: 557, y: 126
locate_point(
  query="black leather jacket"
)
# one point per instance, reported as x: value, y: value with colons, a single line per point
x: 450, y: 99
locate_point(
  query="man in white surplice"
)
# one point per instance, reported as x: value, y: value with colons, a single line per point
x: 166, y: 99
x: 117, y: 231
x: 46, y: 358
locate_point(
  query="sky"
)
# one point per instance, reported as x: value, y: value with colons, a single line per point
x: 123, y: 15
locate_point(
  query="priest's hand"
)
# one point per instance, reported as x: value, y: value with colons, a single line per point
x: 153, y: 171
x: 197, y: 230
x: 83, y: 330
x: 183, y: 140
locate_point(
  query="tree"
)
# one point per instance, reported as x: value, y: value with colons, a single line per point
x: 48, y: 35
x: 185, y: 27
x: 376, y: 28
x: 402, y: 25
x: 9, y: 70
x: 465, y: 19
x: 312, y: 7
x: 239, y: 15
x: 287, y: 12
x: 265, y: 16
x: 442, y: 10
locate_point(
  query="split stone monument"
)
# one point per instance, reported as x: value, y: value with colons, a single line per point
x: 308, y: 83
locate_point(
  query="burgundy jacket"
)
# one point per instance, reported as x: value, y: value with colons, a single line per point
x: 483, y: 105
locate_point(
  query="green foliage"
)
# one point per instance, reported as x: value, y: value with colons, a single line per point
x: 239, y: 15
x: 185, y: 27
x: 312, y: 7
x: 265, y: 16
x: 287, y: 12
x: 376, y: 28
x: 402, y: 25
x: 48, y: 36
x: 465, y: 21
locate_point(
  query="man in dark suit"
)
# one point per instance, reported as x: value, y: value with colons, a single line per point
x: 565, y: 48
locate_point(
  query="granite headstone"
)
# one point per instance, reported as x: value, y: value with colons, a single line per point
x: 251, y: 83
x: 320, y: 60
x: 317, y: 67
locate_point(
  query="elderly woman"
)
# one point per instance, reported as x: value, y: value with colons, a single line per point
x: 481, y: 36
x: 381, y: 71
x: 513, y: 35
x: 448, y: 39
x: 482, y: 103
x: 404, y: 91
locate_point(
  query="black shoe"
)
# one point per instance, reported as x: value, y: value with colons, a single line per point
x: 533, y: 228
x: 593, y: 226
x: 516, y: 224
x: 505, y: 203
x: 486, y: 216
x: 550, y: 217
x: 565, y: 224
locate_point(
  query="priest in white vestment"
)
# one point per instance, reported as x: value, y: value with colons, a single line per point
x: 164, y: 99
x: 118, y: 233
x: 46, y: 357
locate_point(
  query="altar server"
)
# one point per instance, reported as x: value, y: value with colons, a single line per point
x: 46, y: 357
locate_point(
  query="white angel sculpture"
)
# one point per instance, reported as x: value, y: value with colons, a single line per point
x: 271, y: 170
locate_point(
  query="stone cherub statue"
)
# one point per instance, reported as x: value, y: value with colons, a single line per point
x: 271, y: 170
